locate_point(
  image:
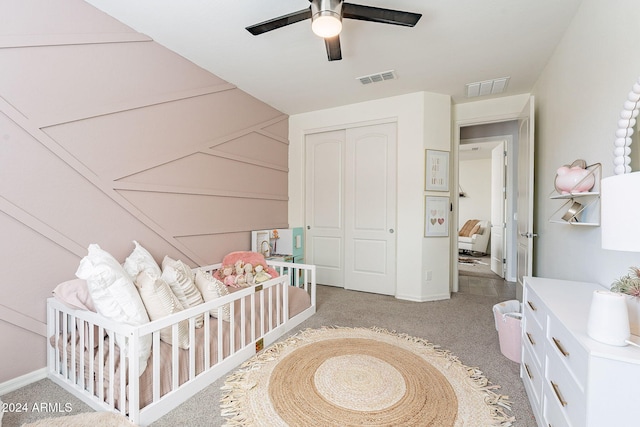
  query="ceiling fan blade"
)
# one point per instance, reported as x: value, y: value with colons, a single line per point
x: 334, y: 52
x: 377, y: 14
x: 279, y: 22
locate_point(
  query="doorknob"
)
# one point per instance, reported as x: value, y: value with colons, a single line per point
x: 528, y: 235
x: 391, y: 230
x: 308, y: 227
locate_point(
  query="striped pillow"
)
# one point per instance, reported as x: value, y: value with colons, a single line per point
x: 180, y: 278
x: 161, y: 302
x: 212, y: 289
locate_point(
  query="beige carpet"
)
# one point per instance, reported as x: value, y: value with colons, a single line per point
x: 360, y: 376
x: 91, y: 419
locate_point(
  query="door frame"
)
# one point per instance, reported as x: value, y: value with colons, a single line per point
x: 510, y: 203
x: 455, y: 150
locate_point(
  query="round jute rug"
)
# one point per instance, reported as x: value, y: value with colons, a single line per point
x: 360, y: 377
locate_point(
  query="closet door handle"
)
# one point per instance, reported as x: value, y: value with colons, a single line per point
x: 533, y: 307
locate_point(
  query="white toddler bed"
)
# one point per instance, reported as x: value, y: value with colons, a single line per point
x: 259, y: 315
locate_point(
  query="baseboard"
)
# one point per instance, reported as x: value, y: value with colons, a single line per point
x: 413, y: 298
x: 24, y: 380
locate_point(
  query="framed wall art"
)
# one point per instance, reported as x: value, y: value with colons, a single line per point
x: 436, y: 217
x: 436, y: 174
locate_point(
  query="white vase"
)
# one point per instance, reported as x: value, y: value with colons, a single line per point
x: 608, y: 318
x: 633, y: 306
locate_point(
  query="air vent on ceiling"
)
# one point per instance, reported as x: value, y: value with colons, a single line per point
x: 487, y: 87
x: 378, y: 77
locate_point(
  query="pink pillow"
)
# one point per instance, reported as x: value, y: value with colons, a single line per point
x: 74, y: 294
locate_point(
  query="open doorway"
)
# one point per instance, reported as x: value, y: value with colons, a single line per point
x: 487, y: 177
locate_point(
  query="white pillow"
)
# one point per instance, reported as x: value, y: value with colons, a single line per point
x: 161, y: 302
x: 140, y: 260
x: 183, y: 287
x: 114, y: 295
x: 211, y: 288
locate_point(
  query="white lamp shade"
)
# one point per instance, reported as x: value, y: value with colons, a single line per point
x: 620, y: 212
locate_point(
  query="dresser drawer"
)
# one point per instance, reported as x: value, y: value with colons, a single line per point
x: 532, y: 378
x: 552, y: 413
x: 569, y: 351
x: 561, y: 388
x: 533, y: 338
x: 534, y: 308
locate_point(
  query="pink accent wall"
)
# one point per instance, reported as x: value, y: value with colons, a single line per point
x: 107, y: 137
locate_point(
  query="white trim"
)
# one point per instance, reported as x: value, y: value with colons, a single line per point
x: 434, y: 297
x: 22, y: 381
x: 351, y: 125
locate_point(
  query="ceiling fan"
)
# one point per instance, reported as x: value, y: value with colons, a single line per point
x: 326, y: 20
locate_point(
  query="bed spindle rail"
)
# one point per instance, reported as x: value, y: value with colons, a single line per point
x: 97, y: 359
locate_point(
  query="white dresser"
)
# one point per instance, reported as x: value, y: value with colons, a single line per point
x: 572, y: 380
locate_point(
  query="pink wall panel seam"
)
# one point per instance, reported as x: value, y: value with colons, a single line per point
x: 246, y: 160
x: 258, y: 127
x: 156, y: 188
x: 203, y: 147
x: 274, y: 136
x: 74, y: 115
x: 40, y: 227
x: 41, y: 40
x: 105, y: 187
x: 20, y: 320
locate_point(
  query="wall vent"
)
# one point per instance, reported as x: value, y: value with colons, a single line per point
x: 378, y: 77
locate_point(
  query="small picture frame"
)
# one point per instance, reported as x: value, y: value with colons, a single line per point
x: 436, y: 216
x: 436, y: 173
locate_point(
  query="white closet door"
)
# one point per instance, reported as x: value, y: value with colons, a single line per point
x: 324, y: 205
x: 370, y: 209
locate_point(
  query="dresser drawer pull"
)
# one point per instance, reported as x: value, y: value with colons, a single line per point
x: 558, y: 344
x: 533, y: 307
x: 526, y: 368
x: 531, y: 340
x: 556, y: 390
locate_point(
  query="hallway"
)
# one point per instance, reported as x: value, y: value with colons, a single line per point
x: 486, y: 286
x: 478, y: 279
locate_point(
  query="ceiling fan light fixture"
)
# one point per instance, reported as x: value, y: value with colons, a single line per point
x: 326, y: 17
x: 326, y: 24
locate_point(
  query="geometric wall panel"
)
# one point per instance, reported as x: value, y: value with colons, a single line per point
x: 108, y: 137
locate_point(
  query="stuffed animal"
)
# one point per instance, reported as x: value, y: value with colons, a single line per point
x: 226, y: 275
x: 239, y: 267
x: 261, y: 275
x: 227, y: 270
x: 230, y: 280
x: 241, y: 281
x: 249, y: 274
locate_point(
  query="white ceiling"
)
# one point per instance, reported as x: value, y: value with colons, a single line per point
x: 456, y: 42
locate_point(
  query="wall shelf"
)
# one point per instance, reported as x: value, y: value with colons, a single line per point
x: 581, y: 208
